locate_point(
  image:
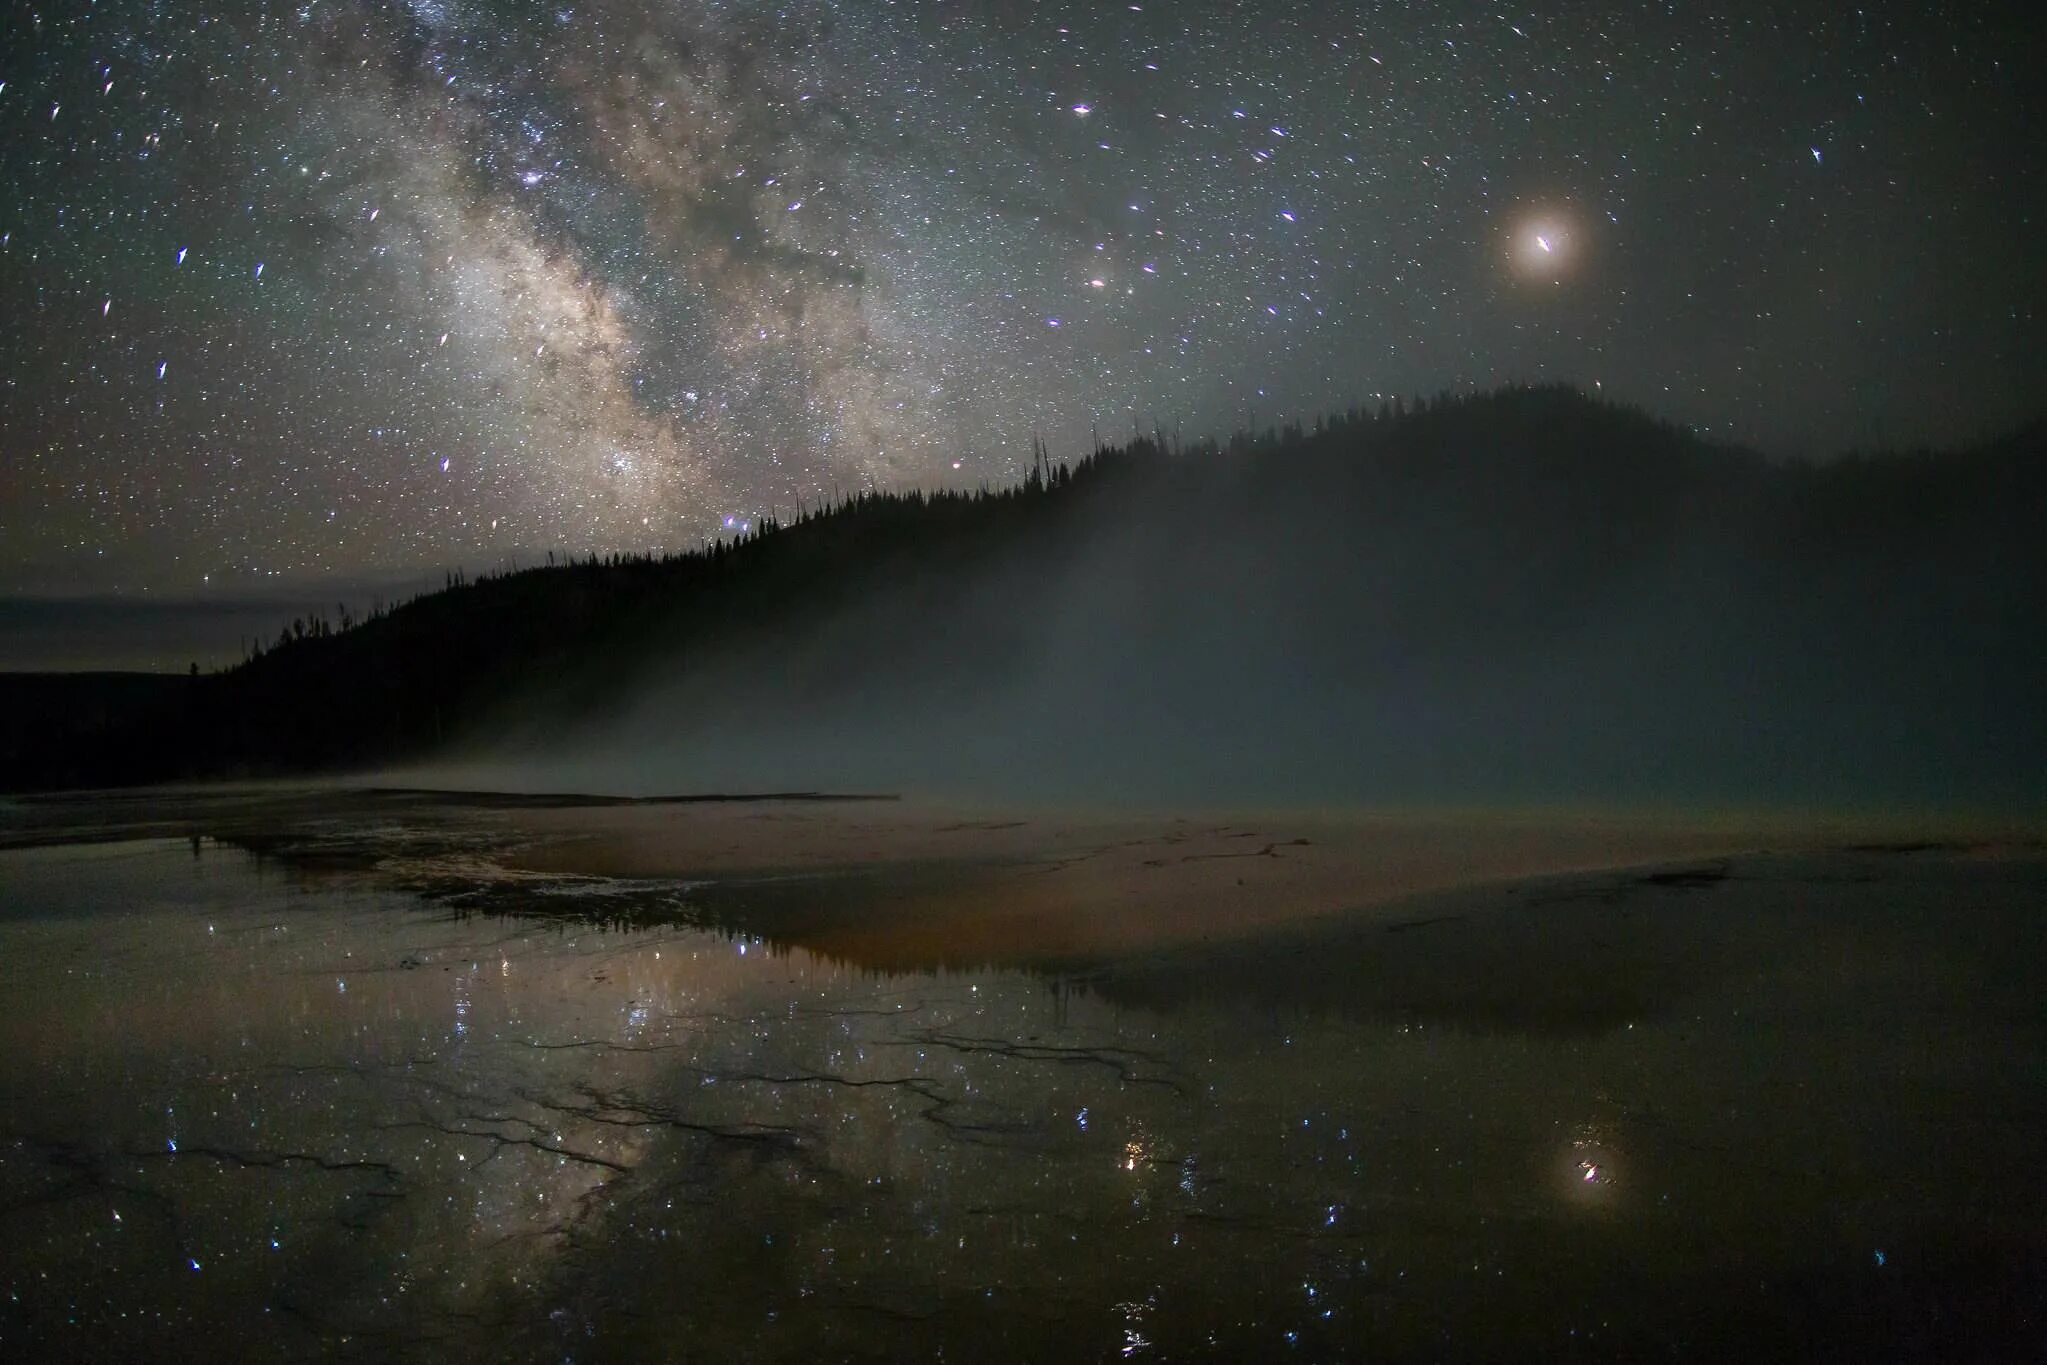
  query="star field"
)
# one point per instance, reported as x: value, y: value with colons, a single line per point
x: 348, y: 288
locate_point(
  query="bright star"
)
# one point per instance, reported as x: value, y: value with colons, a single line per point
x: 1544, y: 245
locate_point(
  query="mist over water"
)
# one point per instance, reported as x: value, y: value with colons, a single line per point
x: 1538, y: 601
x: 1524, y: 597
x: 591, y: 770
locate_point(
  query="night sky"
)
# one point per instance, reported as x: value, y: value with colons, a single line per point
x: 341, y: 289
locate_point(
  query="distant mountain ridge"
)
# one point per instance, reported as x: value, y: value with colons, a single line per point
x: 1527, y: 594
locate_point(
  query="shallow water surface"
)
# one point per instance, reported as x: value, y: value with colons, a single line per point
x: 1787, y: 1107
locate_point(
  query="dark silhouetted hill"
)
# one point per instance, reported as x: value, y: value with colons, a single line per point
x: 1522, y: 595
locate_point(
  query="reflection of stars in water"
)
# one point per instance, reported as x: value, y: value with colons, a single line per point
x: 1591, y: 1157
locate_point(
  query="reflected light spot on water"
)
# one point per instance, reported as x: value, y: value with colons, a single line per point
x: 787, y: 1133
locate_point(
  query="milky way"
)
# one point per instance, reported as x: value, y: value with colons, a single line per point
x: 344, y: 288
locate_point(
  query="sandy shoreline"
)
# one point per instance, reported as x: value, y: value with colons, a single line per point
x: 914, y: 878
x: 1113, y: 884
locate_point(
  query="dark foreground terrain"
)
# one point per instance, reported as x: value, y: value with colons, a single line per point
x: 394, y: 1077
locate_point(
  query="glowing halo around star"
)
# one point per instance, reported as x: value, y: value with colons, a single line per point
x: 1544, y: 247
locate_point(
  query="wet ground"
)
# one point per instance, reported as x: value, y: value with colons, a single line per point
x: 361, y: 1088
